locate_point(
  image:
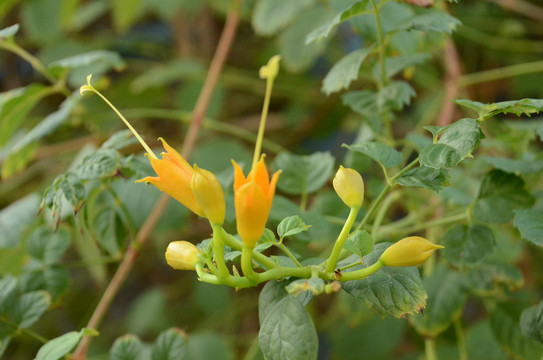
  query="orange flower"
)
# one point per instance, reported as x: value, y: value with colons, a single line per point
x: 174, y: 178
x: 253, y: 200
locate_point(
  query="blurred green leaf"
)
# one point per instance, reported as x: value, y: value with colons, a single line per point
x: 53, y: 279
x: 166, y: 74
x: 517, y: 107
x: 147, y: 312
x: 125, y: 13
x: 29, y: 308
x: 395, y: 95
x: 291, y: 226
x: 279, y: 339
x: 103, y: 163
x: 120, y: 140
x: 394, y: 65
x: 481, y: 344
x: 171, y: 344
x: 522, y: 166
x: 466, y: 246
x: 385, y: 155
x: 47, y: 246
x: 360, y: 243
x: 530, y: 224
x: 110, y: 58
x: 432, y: 20
x: 62, y: 345
x: 7, y: 287
x: 344, y: 71
x: 128, y: 347
x: 303, y: 173
x: 16, y: 218
x: 531, y: 322
x: 270, y: 16
x: 500, y: 194
x: 207, y: 345
x: 425, y: 177
x: 9, y: 32
x: 395, y: 291
x: 457, y: 142
x: 41, y: 20
x: 17, y: 161
x: 491, y: 280
x: 363, y: 102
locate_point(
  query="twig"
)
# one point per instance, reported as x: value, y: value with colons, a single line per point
x: 453, y: 72
x: 131, y: 254
x: 522, y: 7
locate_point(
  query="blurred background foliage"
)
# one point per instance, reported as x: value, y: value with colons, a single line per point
x: 150, y: 59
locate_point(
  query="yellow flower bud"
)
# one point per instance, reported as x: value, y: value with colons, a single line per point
x: 208, y: 192
x: 182, y: 255
x: 410, y: 251
x: 349, y: 186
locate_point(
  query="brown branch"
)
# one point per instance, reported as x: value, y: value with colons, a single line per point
x: 453, y: 73
x: 131, y: 254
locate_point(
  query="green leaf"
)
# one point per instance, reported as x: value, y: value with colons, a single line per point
x: 119, y: 140
x: 126, y: 13
x: 344, y: 71
x: 467, y: 246
x: 171, y: 344
x: 291, y: 226
x: 29, y: 308
x: 385, y: 155
x: 7, y: 287
x: 446, y: 298
x: 506, y: 330
x: 360, y: 243
x: 111, y: 59
x: 395, y: 291
x: 47, y: 246
x: 9, y: 31
x: 303, y: 173
x: 436, y: 21
x: 523, y: 166
x: 41, y: 21
x: 103, y: 163
x: 288, y: 332
x: 500, y: 194
x: 425, y: 177
x: 62, y: 345
x: 207, y: 345
x: 394, y: 65
x: 493, y: 280
x: 530, y: 224
x: 457, y: 142
x: 531, y: 322
x: 481, y: 344
x: 270, y: 16
x: 395, y: 95
x: 73, y: 190
x: 518, y: 107
x: 363, y: 102
x: 128, y: 347
x: 15, y: 162
x: 16, y: 218
x: 358, y: 8
x: 272, y: 293
x: 313, y: 285
x: 169, y: 73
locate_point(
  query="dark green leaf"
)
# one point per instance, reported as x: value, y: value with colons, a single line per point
x: 207, y: 345
x: 446, y: 298
x: 9, y: 31
x: 73, y: 190
x: 344, y: 71
x: 103, y: 163
x: 517, y: 107
x: 531, y: 322
x: 303, y: 173
x: 530, y: 224
x: 467, y: 246
x: 425, y: 177
x: 481, y: 343
x: 171, y: 344
x: 291, y: 226
x: 287, y: 332
x: 29, y: 308
x: 363, y: 102
x: 524, y: 166
x: 360, y: 243
x: 395, y: 95
x: 493, y: 280
x: 500, y: 194
x: 119, y: 140
x: 457, y: 142
x: 270, y: 16
x: 62, y: 345
x: 128, y: 347
x: 271, y: 294
x: 358, y: 8
x: 431, y: 21
x: 385, y: 155
x: 395, y: 291
x: 7, y: 288
x: 47, y: 246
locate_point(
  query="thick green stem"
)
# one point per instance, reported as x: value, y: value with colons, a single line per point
x: 362, y: 273
x: 430, y: 349
x: 332, y: 260
x: 218, y: 251
x: 234, y: 243
x: 374, y: 206
x: 289, y: 254
x: 460, y: 339
x: 247, y: 264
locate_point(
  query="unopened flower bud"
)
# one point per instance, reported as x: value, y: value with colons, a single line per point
x: 182, y: 255
x: 349, y: 186
x: 209, y: 194
x: 410, y: 251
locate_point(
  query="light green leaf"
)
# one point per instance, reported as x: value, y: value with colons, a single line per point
x: 523, y: 166
x: 291, y: 226
x: 73, y: 190
x: 395, y: 291
x: 360, y: 243
x: 500, y: 194
x: 29, y: 308
x: 288, y: 332
x: 518, y: 107
x: 531, y: 322
x: 119, y: 140
x: 128, y: 347
x: 110, y: 58
x: 493, y: 280
x: 457, y: 142
x: 506, y: 330
x: 466, y: 246
x: 530, y: 224
x: 431, y: 21
x: 103, y: 163
x: 9, y: 31
x: 7, y: 287
x: 446, y: 298
x: 62, y: 345
x: 395, y: 95
x: 126, y: 13
x: 358, y: 8
x: 270, y: 16
x: 425, y: 177
x: 344, y: 71
x: 171, y: 344
x: 16, y: 218
x: 385, y: 155
x: 48, y: 246
x: 363, y: 102
x: 303, y: 173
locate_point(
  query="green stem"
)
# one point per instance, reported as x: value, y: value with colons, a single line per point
x: 362, y: 273
x: 430, y: 349
x: 247, y: 264
x: 431, y: 224
x: 234, y: 243
x: 32, y: 60
x: 205, y: 277
x: 332, y: 260
x: 263, y: 118
x: 28, y: 332
x: 289, y: 254
x: 460, y: 339
x: 218, y: 251
x: 389, y: 200
x: 500, y: 73
x: 373, y: 207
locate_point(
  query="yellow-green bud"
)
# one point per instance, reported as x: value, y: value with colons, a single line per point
x: 209, y: 194
x: 349, y: 186
x: 182, y: 255
x: 410, y: 251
